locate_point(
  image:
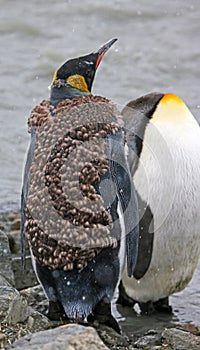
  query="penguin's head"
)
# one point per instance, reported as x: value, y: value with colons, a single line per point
x: 158, y: 109
x: 136, y: 115
x: 171, y: 109
x: 78, y: 73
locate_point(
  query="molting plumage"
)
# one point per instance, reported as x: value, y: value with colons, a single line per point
x: 78, y: 198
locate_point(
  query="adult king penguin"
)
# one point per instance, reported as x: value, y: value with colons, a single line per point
x: 166, y: 137
x: 79, y: 207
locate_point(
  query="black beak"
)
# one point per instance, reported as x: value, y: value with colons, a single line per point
x: 101, y: 52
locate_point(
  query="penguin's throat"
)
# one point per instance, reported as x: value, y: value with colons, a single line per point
x: 64, y: 91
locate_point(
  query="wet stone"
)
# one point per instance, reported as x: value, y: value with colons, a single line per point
x: 23, y: 278
x: 15, y: 225
x: 16, y: 317
x: 14, y: 242
x: 9, y: 221
x: 189, y: 327
x: 69, y: 337
x: 112, y: 339
x: 5, y: 259
x: 2, y: 340
x: 36, y: 298
x: 150, y: 340
x: 11, y: 266
x: 36, y: 321
x: 13, y: 306
x: 178, y: 339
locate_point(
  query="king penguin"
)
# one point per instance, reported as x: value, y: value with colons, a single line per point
x: 79, y: 208
x: 164, y: 134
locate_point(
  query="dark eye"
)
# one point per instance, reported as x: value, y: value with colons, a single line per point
x: 88, y: 73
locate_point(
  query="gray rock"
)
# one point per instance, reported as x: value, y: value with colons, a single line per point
x: 13, y: 306
x: 36, y: 321
x: 112, y: 339
x: 2, y: 340
x: 11, y: 266
x: 169, y: 339
x: 26, y: 278
x: 36, y: 298
x: 14, y: 241
x: 176, y: 339
x: 5, y: 259
x: 21, y: 279
x: 16, y: 317
x: 149, y: 340
x: 68, y: 337
x: 10, y: 221
x: 189, y: 327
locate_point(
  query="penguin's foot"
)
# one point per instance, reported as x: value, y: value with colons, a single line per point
x: 162, y: 305
x: 102, y: 315
x: 123, y: 298
x: 56, y: 311
x: 147, y: 308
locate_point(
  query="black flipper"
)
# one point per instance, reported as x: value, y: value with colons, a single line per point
x: 126, y: 195
x: 25, y: 186
x: 146, y: 238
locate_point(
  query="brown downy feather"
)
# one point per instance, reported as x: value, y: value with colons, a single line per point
x: 66, y: 221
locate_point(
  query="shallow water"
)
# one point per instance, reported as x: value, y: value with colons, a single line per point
x: 158, y: 50
x: 186, y: 308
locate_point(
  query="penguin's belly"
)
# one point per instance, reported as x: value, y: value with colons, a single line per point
x: 174, y: 259
x: 167, y: 179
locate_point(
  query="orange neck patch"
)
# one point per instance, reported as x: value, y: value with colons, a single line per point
x: 78, y: 82
x: 172, y: 109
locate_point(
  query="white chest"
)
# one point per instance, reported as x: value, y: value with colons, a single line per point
x: 168, y: 179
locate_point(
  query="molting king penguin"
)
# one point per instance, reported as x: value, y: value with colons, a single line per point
x: 165, y: 135
x: 78, y: 203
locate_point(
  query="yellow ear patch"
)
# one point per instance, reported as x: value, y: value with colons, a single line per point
x: 78, y: 82
x: 170, y: 98
x: 172, y: 109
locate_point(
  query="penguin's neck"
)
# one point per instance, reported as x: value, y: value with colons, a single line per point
x: 64, y: 91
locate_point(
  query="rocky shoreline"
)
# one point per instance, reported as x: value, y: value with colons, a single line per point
x: 23, y: 308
